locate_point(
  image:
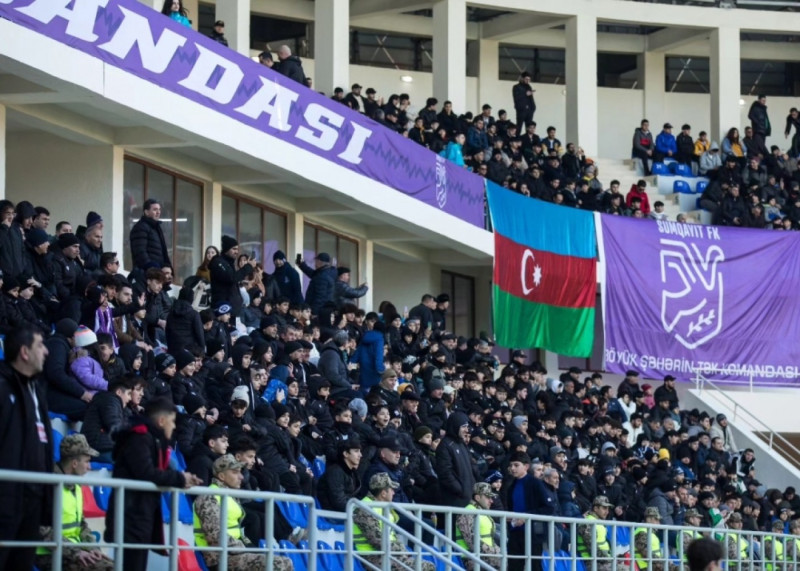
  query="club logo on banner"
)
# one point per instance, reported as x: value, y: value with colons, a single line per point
x: 681, y: 299
x: 684, y: 270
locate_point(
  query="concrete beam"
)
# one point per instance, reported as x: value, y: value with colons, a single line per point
x: 15, y: 90
x: 455, y: 258
x: 373, y: 7
x: 669, y: 39
x: 146, y: 137
x: 321, y: 206
x: 301, y: 10
x: 408, y: 24
x: 401, y: 252
x: 509, y: 25
x: 65, y: 124
x: 241, y: 175
x: 386, y: 233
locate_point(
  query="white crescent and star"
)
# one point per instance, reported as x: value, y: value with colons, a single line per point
x: 536, y: 275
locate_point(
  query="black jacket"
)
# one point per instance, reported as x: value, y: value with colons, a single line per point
x: 523, y: 101
x: 322, y: 286
x: 201, y: 462
x: 90, y: 256
x: 759, y: 119
x: 148, y: 246
x: 57, y: 371
x: 337, y: 485
x: 140, y: 453
x: 184, y: 327
x: 225, y: 282
x: 12, y: 250
x: 104, y: 419
x: 288, y: 282
x: 454, y: 466
x: 66, y: 274
x: 189, y: 432
x: 332, y: 366
x: 292, y: 68
x: 20, y: 448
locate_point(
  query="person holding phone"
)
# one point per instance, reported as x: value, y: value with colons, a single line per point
x: 323, y: 276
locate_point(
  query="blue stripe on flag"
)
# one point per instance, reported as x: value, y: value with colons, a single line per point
x: 542, y: 225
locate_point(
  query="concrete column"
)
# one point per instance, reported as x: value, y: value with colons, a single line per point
x: 236, y: 15
x: 193, y: 8
x: 581, y: 60
x: 114, y: 226
x: 2, y: 151
x: 154, y: 4
x: 653, y: 73
x: 332, y: 45
x: 450, y: 53
x: 488, y: 71
x: 294, y: 236
x: 366, y: 264
x: 212, y: 204
x: 725, y: 82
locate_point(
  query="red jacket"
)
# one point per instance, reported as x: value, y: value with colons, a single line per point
x: 634, y: 192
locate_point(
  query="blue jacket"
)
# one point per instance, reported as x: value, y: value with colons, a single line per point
x: 477, y: 140
x: 369, y: 357
x: 665, y: 143
x: 181, y: 19
x: 453, y: 153
x: 322, y: 287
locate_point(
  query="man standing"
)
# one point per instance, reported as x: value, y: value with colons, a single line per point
x: 440, y: 312
x: 482, y: 496
x: 323, y: 281
x: 597, y: 534
x: 759, y: 120
x: 453, y: 463
x: 208, y: 530
x: 148, y: 245
x: 344, y: 293
x: 287, y: 279
x: 26, y: 443
x: 522, y: 498
x: 291, y: 66
x: 225, y: 277
x: 75, y: 457
x: 354, y: 98
x: 218, y: 34
x: 523, y: 100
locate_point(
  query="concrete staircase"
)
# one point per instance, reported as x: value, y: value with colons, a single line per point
x: 628, y: 172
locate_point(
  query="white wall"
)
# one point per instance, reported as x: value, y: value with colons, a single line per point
x: 616, y: 133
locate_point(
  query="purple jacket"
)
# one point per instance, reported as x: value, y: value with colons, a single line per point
x: 89, y: 373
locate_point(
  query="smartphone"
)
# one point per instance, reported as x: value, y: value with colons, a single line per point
x: 298, y: 259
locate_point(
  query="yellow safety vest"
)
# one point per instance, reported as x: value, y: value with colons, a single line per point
x: 777, y: 546
x: 71, y: 517
x: 486, y: 527
x: 234, y: 524
x: 360, y: 540
x: 601, y: 538
x: 742, y: 544
x: 692, y: 536
x: 655, y: 547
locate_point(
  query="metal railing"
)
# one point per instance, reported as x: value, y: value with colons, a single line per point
x: 739, y: 414
x: 549, y: 540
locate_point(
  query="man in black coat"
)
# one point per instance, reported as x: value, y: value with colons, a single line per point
x: 142, y: 453
x: 453, y: 464
x: 321, y: 289
x: 523, y: 101
x: 105, y: 416
x: 287, y: 279
x: 225, y: 277
x: 759, y: 120
x: 26, y: 443
x: 184, y: 326
x: 91, y: 247
x: 424, y: 312
x: 340, y: 482
x: 213, y: 444
x: 12, y: 250
x: 65, y: 395
x: 291, y: 66
x: 333, y: 367
x: 148, y: 245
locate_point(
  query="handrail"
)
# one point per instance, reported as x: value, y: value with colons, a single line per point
x: 752, y: 421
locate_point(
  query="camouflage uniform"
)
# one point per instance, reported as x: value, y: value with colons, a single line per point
x: 642, y: 540
x: 465, y: 523
x: 767, y: 548
x: 588, y: 535
x: 371, y: 528
x: 72, y: 446
x: 208, y: 512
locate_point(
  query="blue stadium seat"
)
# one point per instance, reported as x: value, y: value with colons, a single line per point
x: 58, y: 416
x: 289, y: 550
x: 682, y: 187
x: 701, y: 186
x: 325, y: 524
x: 296, y: 514
x: 101, y: 496
x: 318, y: 468
x: 660, y: 168
x: 683, y: 170
x: 57, y: 438
x: 185, y: 514
x: 102, y: 466
x: 177, y: 461
x: 623, y: 536
x: 326, y: 559
x: 303, y: 546
x: 340, y: 551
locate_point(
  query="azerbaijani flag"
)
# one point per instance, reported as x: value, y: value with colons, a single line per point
x: 545, y: 274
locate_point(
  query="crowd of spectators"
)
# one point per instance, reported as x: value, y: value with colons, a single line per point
x: 281, y: 378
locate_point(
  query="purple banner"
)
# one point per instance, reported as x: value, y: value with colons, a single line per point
x: 133, y: 37
x: 682, y: 297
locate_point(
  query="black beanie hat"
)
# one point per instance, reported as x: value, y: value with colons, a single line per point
x: 228, y: 242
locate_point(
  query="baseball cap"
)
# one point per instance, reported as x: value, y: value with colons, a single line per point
x: 391, y: 443
x: 76, y: 445
x: 381, y: 481
x: 226, y: 462
x: 484, y: 489
x: 602, y: 501
x: 652, y: 512
x: 323, y: 257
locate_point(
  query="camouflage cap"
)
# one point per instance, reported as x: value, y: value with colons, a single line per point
x: 484, y: 489
x: 603, y: 502
x: 76, y: 445
x: 381, y: 481
x: 652, y: 512
x: 735, y: 516
x: 778, y: 524
x: 227, y: 462
x: 692, y: 512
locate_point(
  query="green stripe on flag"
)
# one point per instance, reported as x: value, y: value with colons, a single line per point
x: 524, y: 324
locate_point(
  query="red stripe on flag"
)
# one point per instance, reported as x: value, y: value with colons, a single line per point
x: 544, y: 277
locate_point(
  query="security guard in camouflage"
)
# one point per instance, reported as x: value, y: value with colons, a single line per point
x: 76, y: 455
x: 598, y: 534
x: 773, y: 548
x: 644, y: 536
x: 736, y: 545
x: 482, y: 496
x: 228, y: 474
x: 367, y: 529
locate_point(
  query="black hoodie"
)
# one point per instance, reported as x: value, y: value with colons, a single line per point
x: 454, y: 464
x: 184, y: 327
